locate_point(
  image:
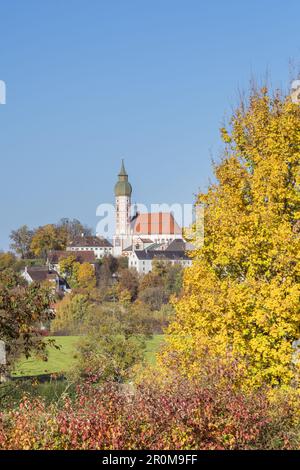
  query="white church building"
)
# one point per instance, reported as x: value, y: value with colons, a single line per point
x: 139, y: 231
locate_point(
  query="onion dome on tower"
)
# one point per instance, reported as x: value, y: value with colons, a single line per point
x: 123, y: 187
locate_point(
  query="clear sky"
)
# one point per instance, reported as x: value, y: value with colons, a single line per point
x: 92, y: 81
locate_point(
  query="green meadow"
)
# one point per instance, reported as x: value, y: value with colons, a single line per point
x: 63, y: 359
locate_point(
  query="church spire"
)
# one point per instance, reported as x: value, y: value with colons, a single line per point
x: 123, y: 171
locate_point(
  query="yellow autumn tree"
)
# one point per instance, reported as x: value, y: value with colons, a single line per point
x: 86, y: 276
x: 46, y: 238
x: 70, y: 314
x: 242, y: 294
x: 68, y: 268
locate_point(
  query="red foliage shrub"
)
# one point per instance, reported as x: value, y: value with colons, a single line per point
x: 170, y: 414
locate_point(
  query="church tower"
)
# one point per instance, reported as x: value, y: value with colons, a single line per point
x: 123, y: 192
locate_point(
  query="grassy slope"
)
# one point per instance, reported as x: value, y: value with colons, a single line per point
x: 63, y: 359
x: 59, y: 360
x: 153, y: 346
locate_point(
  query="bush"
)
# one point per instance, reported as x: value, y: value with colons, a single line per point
x: 13, y: 392
x: 169, y: 413
x: 114, y: 342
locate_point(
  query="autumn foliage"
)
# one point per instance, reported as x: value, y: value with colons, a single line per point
x: 241, y: 296
x: 228, y: 376
x: 173, y: 413
x: 22, y: 310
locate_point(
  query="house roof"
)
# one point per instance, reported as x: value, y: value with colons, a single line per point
x: 163, y: 255
x: 146, y: 240
x: 152, y: 223
x: 42, y: 273
x: 54, y: 257
x: 89, y: 241
x: 176, y: 245
x: 153, y: 246
x: 180, y: 245
x: 128, y: 248
x: 156, y: 246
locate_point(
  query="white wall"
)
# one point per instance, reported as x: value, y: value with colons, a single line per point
x: 26, y: 276
x: 99, y: 251
x: 145, y: 266
x: 122, y: 215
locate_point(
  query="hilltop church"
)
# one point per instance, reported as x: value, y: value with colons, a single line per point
x: 139, y: 231
x: 141, y: 237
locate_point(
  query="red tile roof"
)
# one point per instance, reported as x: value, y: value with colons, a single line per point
x: 160, y: 223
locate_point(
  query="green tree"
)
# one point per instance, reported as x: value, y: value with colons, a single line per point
x: 174, y: 279
x: 21, y: 241
x: 115, y: 343
x: 160, y: 267
x: 111, y: 263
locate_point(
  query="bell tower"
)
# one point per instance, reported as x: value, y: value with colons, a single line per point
x: 123, y: 192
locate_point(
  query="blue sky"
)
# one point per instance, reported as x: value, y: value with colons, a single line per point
x: 92, y: 81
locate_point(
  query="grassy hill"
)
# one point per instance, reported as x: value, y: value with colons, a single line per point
x: 63, y: 359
